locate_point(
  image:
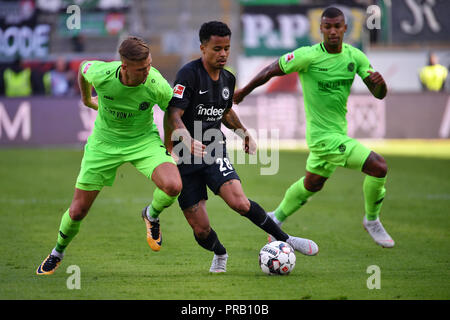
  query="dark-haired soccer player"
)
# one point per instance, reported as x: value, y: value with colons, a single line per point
x: 326, y: 72
x: 201, y: 102
x: 124, y: 132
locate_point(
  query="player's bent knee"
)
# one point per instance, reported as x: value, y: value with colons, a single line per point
x: 384, y: 169
x: 313, y: 182
x: 202, y: 232
x: 380, y: 168
x: 314, y: 186
x: 78, y: 211
x: 172, y: 188
x: 240, y: 205
x: 375, y: 166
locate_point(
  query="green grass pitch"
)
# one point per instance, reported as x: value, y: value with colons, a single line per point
x: 116, y: 262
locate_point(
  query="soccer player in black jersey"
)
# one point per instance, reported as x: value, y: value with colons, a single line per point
x: 201, y: 102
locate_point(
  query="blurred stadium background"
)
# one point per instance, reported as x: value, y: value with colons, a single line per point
x: 43, y: 127
x: 43, y: 42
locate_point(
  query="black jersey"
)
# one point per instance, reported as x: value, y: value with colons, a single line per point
x: 204, y: 102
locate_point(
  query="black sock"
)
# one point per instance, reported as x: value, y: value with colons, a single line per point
x: 258, y: 216
x: 211, y: 243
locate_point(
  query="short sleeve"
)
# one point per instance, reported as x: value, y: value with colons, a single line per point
x: 90, y: 70
x: 165, y: 94
x: 295, y: 61
x: 362, y: 64
x: 183, y: 89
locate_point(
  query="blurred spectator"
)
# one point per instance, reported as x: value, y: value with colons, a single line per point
x: 59, y: 80
x: 17, y: 80
x: 432, y: 76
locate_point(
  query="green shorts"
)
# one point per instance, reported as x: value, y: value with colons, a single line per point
x: 101, y: 160
x: 335, y: 151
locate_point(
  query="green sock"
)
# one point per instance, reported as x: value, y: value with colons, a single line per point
x: 295, y: 197
x: 67, y: 231
x: 374, y: 192
x: 160, y: 201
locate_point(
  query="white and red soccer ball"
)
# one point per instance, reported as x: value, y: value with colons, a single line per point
x: 277, y: 257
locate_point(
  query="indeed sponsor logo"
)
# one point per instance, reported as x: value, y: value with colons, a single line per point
x: 212, y: 112
x: 209, y: 111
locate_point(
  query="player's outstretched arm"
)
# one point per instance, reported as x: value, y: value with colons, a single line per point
x: 231, y: 120
x: 376, y: 84
x: 175, y: 130
x: 262, y: 77
x: 85, y: 90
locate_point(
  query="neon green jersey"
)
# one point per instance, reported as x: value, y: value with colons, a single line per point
x: 326, y: 81
x: 125, y: 114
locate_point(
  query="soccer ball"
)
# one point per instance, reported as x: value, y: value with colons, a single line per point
x: 277, y: 257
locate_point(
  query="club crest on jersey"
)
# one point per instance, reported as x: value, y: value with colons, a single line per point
x: 226, y: 93
x: 288, y: 57
x: 351, y: 67
x: 178, y: 91
x: 144, y: 106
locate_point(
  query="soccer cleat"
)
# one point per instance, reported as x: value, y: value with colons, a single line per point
x: 304, y: 246
x: 219, y: 263
x: 271, y: 215
x: 154, y: 237
x: 378, y: 233
x: 49, y: 265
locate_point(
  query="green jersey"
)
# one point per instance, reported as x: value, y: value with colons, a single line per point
x: 125, y: 114
x: 326, y: 80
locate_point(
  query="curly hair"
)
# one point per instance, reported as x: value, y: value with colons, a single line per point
x: 213, y: 28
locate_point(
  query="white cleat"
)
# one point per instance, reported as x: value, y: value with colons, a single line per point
x: 304, y: 246
x: 378, y: 233
x: 219, y: 263
x: 271, y: 215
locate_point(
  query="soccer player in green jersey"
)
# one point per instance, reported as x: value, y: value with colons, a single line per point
x: 123, y: 132
x: 326, y: 72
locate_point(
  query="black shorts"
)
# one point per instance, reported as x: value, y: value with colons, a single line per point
x: 213, y: 176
